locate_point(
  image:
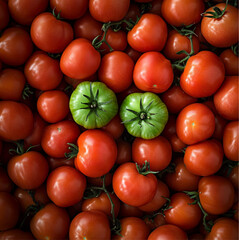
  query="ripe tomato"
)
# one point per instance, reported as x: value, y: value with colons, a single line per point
x: 231, y: 140
x: 97, y: 153
x: 116, y: 71
x: 53, y: 105
x: 90, y: 225
x: 16, y: 234
x: 126, y: 181
x: 124, y: 151
x: 149, y: 34
x: 50, y: 222
x: 173, y: 11
x: 195, y: 123
x: 15, y: 46
x: 65, y: 186
x: 203, y: 74
x: 4, y: 15
x: 50, y: 34
x: 16, y: 120
x: 216, y: 194
x: 6, y: 184
x: 226, y: 99
x: 42, y: 72
x: 28, y: 170
x: 157, y: 151
x: 108, y: 10
x: 80, y: 59
x: 215, y: 29
x: 181, y: 203
x: 56, y: 136
x: 153, y: 72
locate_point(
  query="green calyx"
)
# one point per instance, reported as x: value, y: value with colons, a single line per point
x: 216, y: 13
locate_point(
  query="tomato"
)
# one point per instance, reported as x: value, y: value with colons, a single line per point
x: 195, y: 123
x: 50, y: 34
x: 169, y: 232
x: 90, y: 225
x: 124, y: 151
x: 130, y: 211
x: 93, y: 105
x: 133, y: 53
x: 234, y: 177
x: 226, y: 99
x: 144, y: 114
x: 223, y: 228
x: 50, y: 222
x: 159, y: 199
x: 97, y: 153
x: 6, y: 184
x: 215, y: 29
x: 12, y: 83
x: 176, y: 42
x: 16, y: 234
x: 132, y: 187
x: 42, y: 72
x: 108, y: 10
x: 58, y: 162
x: 173, y: 11
x: 176, y: 99
x: 53, y: 106
x: 182, y: 203
x: 16, y: 120
x: 149, y: 33
x: 56, y: 136
x: 181, y: 179
x: 102, y: 203
x: 71, y: 10
x: 230, y: 141
x: 216, y: 194
x: 80, y: 59
x: 231, y: 62
x: 157, y: 151
x: 15, y: 46
x: 4, y: 15
x: 10, y: 211
x: 153, y: 72
x: 199, y: 69
x: 155, y: 221
x: 132, y: 228
x: 204, y: 158
x: 23, y: 12
x: 116, y: 71
x: 65, y: 186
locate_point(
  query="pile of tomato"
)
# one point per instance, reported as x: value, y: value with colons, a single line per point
x: 119, y: 119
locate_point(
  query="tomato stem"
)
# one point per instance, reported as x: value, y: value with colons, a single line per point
x: 145, y: 169
x: 216, y: 13
x: 73, y: 151
x: 27, y: 91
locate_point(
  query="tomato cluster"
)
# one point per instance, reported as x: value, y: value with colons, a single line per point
x: 119, y: 119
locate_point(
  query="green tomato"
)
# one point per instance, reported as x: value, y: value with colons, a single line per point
x: 93, y: 104
x: 144, y: 114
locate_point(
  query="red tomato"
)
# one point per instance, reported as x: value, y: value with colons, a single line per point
x: 116, y: 71
x: 173, y: 11
x: 126, y: 181
x: 56, y: 136
x: 124, y: 151
x: 90, y: 225
x: 16, y: 234
x: 58, y: 162
x: 157, y: 151
x: 153, y: 72
x: 4, y: 15
x: 50, y: 222
x: 80, y: 59
x: 53, y: 106
x: 182, y: 203
x: 42, y: 72
x: 15, y: 46
x: 24, y: 11
x: 6, y: 184
x: 216, y: 30
x: 97, y: 153
x: 226, y: 99
x: 108, y: 10
x: 10, y: 211
x: 16, y: 120
x: 216, y: 194
x: 203, y: 74
x: 129, y: 211
x: 66, y: 186
x: 28, y: 170
x: 72, y: 9
x: 50, y: 34
x: 231, y: 140
x: 149, y: 33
